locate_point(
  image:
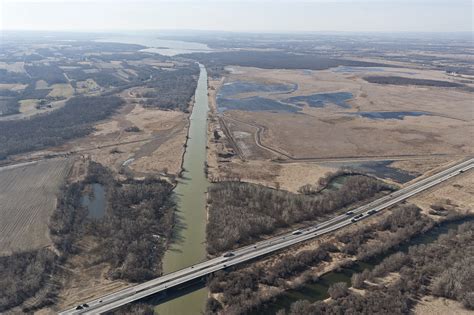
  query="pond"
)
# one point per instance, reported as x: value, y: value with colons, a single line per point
x: 254, y: 104
x: 351, y: 69
x: 318, y: 290
x: 390, y: 115
x: 381, y: 169
x: 321, y: 99
x: 95, y: 201
x: 238, y: 87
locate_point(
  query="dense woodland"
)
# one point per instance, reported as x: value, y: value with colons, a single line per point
x: 131, y: 237
x: 239, y: 288
x: 23, y: 275
x: 275, y: 60
x: 173, y: 89
x: 240, y: 213
x: 394, y: 80
x: 133, y: 233
x: 403, y: 223
x: 73, y: 120
x: 442, y: 268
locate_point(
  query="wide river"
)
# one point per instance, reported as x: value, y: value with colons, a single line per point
x: 188, y: 244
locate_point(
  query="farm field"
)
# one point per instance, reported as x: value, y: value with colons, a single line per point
x: 27, y: 199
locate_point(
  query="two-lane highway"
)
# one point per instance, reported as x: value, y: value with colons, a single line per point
x: 247, y: 253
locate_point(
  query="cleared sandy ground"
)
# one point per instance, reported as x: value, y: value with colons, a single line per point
x: 27, y: 198
x: 430, y: 305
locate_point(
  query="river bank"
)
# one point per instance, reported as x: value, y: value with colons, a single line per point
x: 187, y: 245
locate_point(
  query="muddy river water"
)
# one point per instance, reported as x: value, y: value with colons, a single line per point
x: 188, y: 243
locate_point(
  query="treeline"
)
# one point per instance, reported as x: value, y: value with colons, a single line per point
x: 394, y: 80
x: 133, y: 308
x: 379, y: 238
x: 275, y: 60
x: 172, y: 89
x: 133, y: 233
x: 73, y: 120
x: 403, y: 223
x: 239, y: 288
x: 240, y: 213
x: 326, y: 181
x: 49, y: 73
x: 11, y: 103
x: 442, y: 268
x: 23, y: 275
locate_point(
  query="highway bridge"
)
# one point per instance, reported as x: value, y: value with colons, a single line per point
x: 247, y: 253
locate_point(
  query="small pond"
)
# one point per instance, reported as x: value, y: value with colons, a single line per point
x: 390, y: 115
x: 351, y: 69
x: 381, y: 169
x: 95, y: 201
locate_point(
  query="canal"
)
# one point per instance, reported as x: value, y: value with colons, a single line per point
x: 188, y: 243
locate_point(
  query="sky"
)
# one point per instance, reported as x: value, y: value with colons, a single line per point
x: 243, y: 15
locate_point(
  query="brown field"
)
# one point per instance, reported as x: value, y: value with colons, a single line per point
x: 459, y: 192
x: 334, y: 131
x: 27, y: 199
x: 430, y: 305
x: 13, y: 66
x: 61, y: 90
x: 12, y: 86
x: 152, y: 149
x: 41, y: 84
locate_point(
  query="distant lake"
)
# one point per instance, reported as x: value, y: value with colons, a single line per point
x: 160, y: 46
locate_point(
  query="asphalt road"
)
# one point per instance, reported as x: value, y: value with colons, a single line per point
x: 244, y: 254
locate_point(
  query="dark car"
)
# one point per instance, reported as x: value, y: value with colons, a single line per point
x: 79, y: 307
x: 85, y: 305
x: 371, y: 212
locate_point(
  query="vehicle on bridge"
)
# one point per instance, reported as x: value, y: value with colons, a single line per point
x: 297, y: 232
x: 229, y: 254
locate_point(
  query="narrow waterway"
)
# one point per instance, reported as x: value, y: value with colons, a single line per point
x: 188, y: 243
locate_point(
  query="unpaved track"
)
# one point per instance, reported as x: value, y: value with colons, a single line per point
x: 290, y: 159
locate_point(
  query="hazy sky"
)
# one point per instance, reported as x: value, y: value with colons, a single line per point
x: 244, y: 15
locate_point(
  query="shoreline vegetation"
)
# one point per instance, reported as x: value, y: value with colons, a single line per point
x: 253, y: 286
x: 241, y: 213
x: 137, y: 220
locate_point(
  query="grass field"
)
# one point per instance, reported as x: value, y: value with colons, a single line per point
x: 379, y: 119
x: 61, y: 90
x: 27, y: 199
